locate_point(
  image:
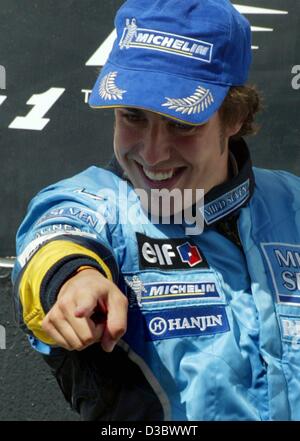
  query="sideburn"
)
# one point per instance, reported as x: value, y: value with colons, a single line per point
x: 223, y: 140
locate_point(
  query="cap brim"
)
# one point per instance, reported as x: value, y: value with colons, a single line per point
x: 186, y: 100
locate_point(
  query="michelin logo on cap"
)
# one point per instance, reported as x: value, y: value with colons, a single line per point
x: 139, y: 38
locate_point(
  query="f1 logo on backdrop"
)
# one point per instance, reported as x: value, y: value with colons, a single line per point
x: 169, y: 253
x: 43, y: 102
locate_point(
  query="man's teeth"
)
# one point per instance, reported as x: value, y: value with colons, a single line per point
x: 159, y: 176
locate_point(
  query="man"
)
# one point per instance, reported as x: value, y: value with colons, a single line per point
x: 141, y: 320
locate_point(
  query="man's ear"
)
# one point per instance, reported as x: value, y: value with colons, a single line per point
x: 233, y: 129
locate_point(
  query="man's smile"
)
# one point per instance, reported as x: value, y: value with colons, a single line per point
x: 160, y: 178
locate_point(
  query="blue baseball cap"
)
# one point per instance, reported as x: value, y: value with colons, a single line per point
x: 177, y: 58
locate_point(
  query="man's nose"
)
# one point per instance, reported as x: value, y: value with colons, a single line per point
x: 155, y: 147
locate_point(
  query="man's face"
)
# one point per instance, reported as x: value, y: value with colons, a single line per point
x: 157, y: 152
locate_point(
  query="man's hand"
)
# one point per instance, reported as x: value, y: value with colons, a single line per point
x: 72, y: 322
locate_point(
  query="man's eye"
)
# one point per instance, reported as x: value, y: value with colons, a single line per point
x: 133, y: 117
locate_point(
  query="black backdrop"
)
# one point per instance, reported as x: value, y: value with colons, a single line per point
x: 46, y: 44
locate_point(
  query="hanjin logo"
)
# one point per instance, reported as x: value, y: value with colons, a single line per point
x: 169, y: 253
x: 158, y: 326
x: 188, y: 321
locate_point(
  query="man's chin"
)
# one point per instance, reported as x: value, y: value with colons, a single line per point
x: 164, y: 204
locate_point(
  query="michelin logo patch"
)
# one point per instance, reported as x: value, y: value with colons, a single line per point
x: 142, y: 293
x: 186, y: 322
x: 226, y: 203
x: 139, y: 38
x: 284, y: 264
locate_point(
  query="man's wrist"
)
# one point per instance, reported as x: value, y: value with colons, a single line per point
x: 60, y: 273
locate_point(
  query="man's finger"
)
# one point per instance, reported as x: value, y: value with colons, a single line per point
x: 98, y: 333
x: 86, y: 329
x: 85, y: 307
x: 68, y: 333
x: 116, y: 322
x: 56, y: 336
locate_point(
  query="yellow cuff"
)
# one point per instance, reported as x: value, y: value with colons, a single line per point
x: 37, y: 268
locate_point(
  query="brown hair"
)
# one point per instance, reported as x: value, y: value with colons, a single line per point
x: 241, y: 104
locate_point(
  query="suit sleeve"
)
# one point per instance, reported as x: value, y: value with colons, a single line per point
x: 63, y: 231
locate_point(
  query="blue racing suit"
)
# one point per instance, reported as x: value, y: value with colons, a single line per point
x: 213, y: 319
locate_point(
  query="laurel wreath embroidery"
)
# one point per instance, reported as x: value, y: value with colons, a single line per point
x: 108, y: 89
x: 196, y: 103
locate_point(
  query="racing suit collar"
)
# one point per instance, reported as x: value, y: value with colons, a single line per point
x: 226, y: 199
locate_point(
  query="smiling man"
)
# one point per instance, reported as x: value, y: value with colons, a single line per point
x: 157, y: 152
x: 140, y: 320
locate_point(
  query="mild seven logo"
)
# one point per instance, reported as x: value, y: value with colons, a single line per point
x: 139, y: 38
x: 283, y: 260
x: 226, y: 203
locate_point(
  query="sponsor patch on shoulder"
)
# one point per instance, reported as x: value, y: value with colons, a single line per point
x: 290, y: 330
x: 35, y: 244
x: 284, y: 264
x: 186, y: 322
x: 89, y: 217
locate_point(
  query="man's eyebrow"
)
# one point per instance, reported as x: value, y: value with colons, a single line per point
x: 182, y: 123
x: 132, y: 110
x: 137, y: 111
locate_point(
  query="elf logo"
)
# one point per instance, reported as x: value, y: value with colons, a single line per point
x: 189, y: 254
x: 169, y: 253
